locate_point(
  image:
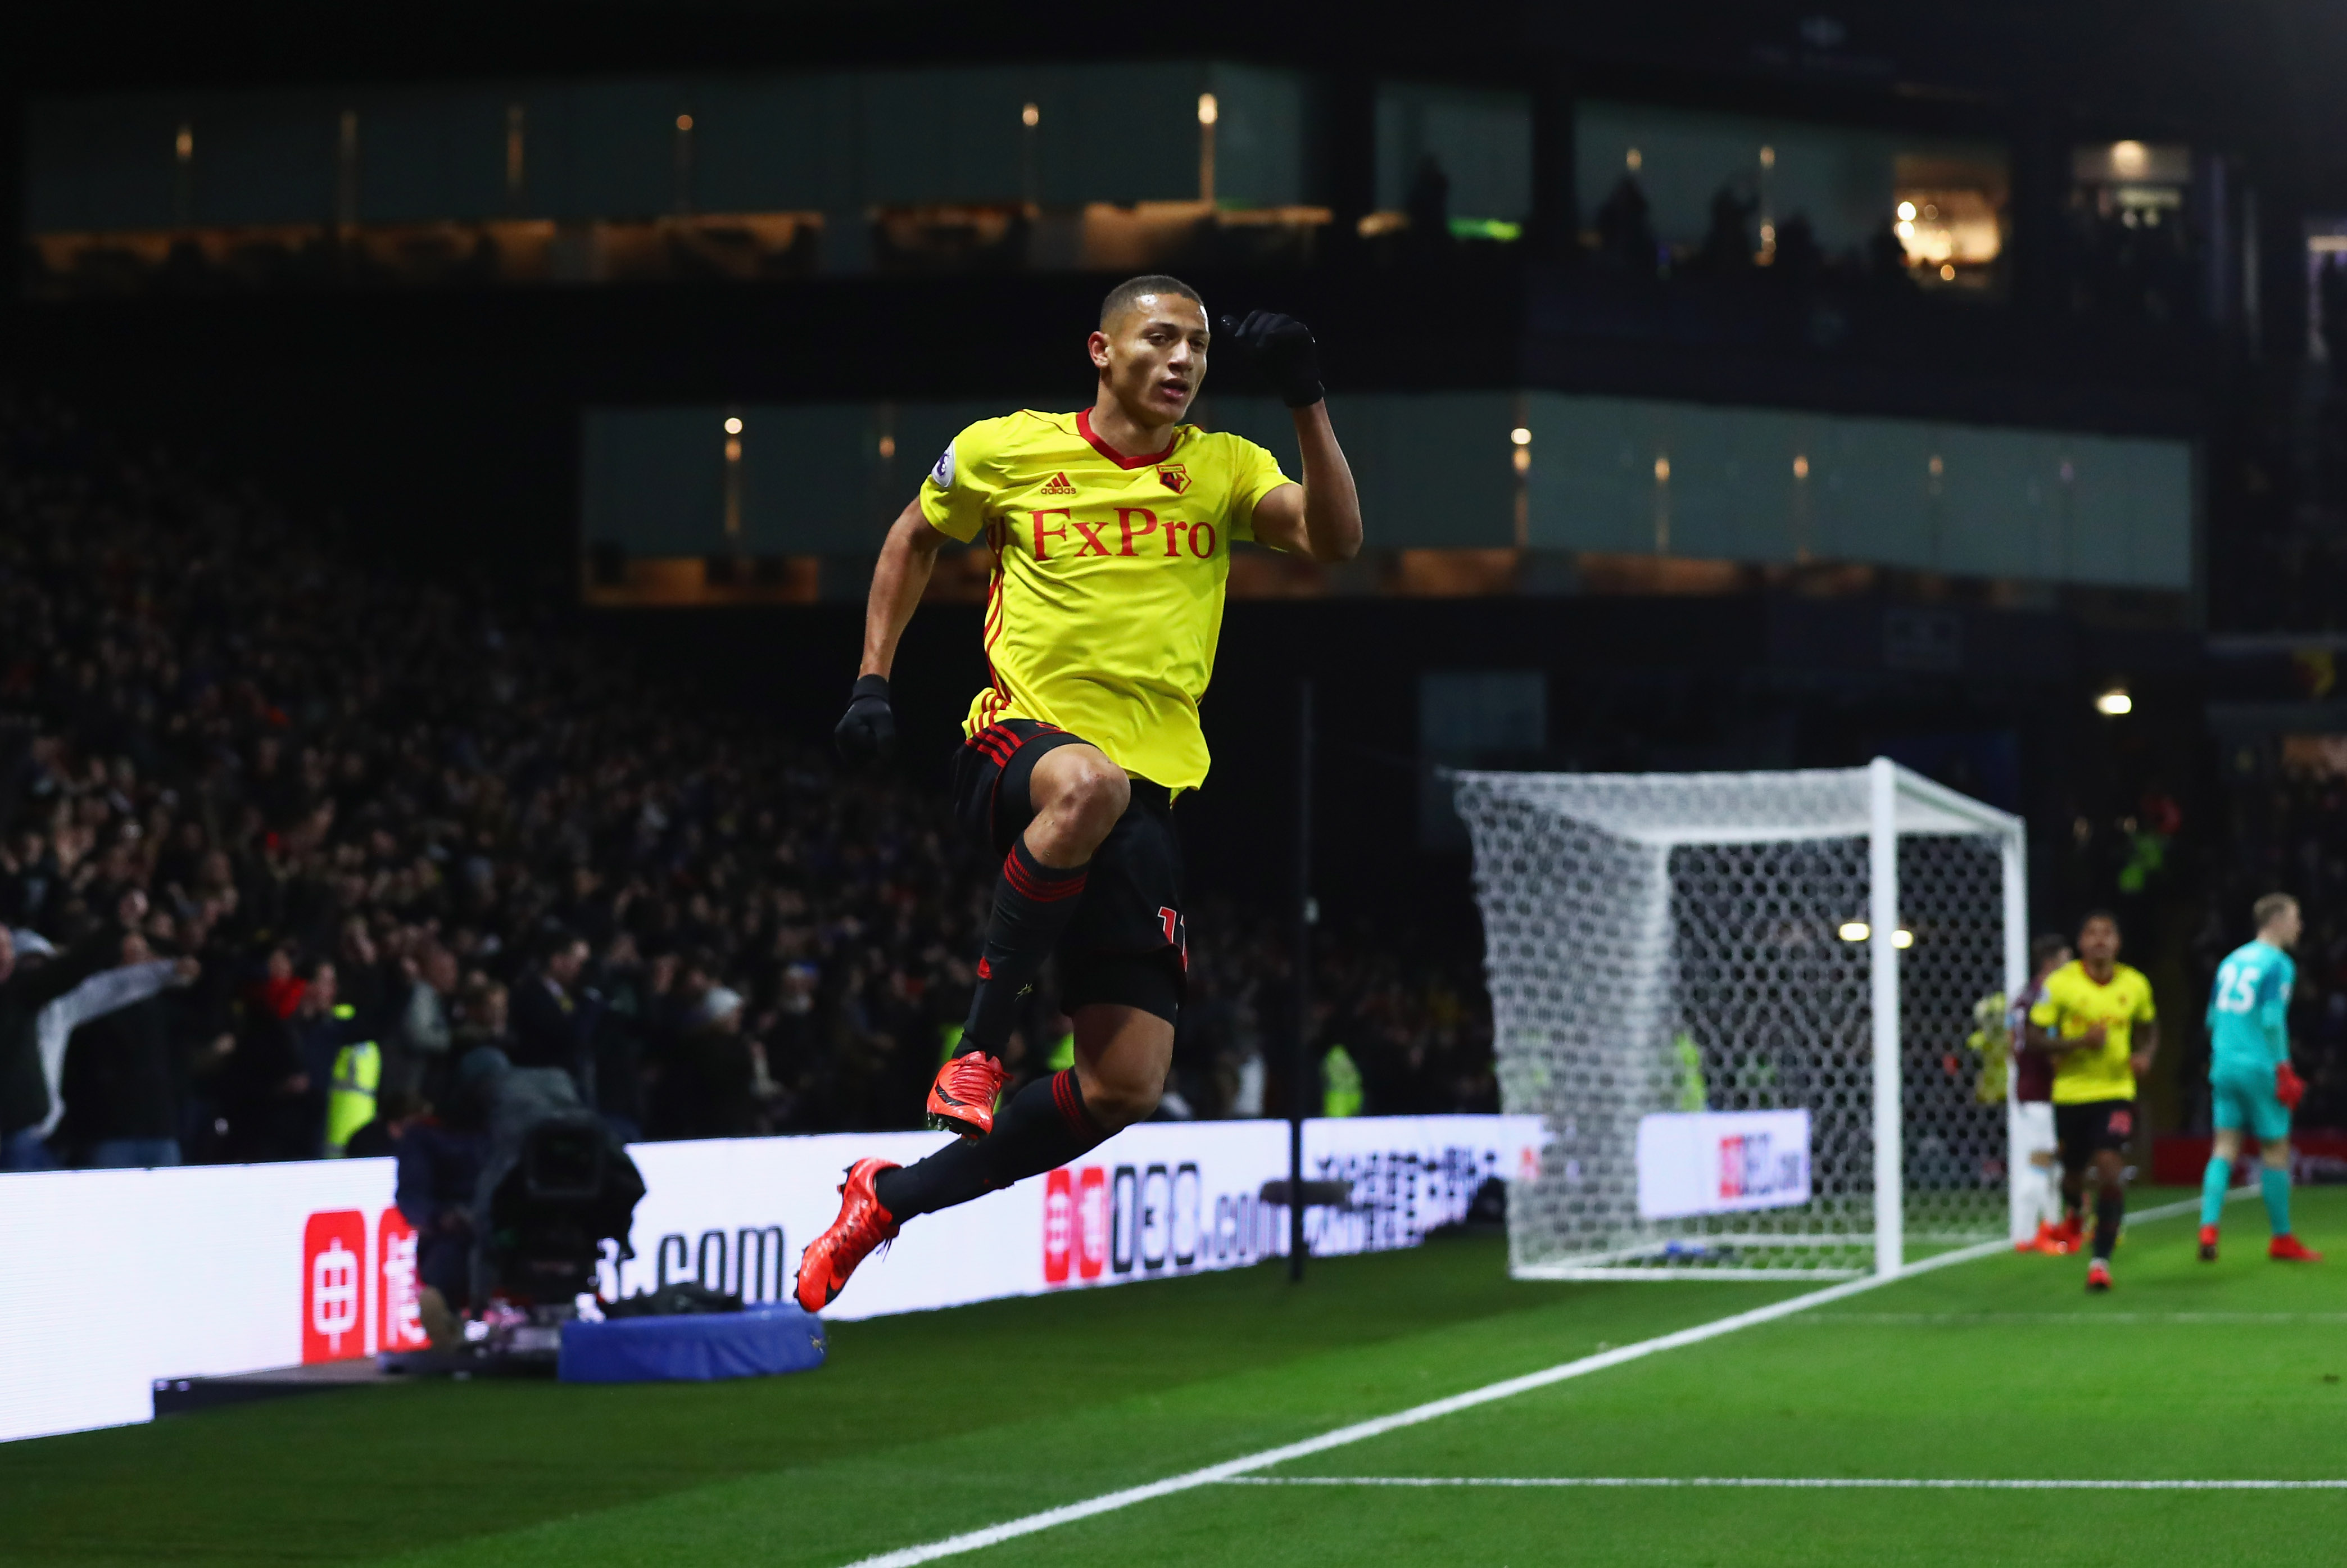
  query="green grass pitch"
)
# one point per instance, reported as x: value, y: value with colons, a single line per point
x: 922, y: 1427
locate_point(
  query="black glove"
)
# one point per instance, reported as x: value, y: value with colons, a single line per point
x: 1283, y: 353
x: 869, y: 730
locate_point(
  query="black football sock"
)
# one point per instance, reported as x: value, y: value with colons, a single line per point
x: 1044, y: 1126
x: 1033, y: 903
x: 2110, y: 1209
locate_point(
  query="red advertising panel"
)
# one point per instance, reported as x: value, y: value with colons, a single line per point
x: 1092, y: 1221
x: 399, y: 1323
x: 1058, y: 1225
x: 333, y: 1286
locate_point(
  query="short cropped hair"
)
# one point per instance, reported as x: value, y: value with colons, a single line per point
x: 1122, y: 296
x: 2045, y: 948
x: 2091, y: 915
x: 2269, y: 909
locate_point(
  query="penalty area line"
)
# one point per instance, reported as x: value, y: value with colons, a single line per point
x: 1821, y: 1483
x: 1361, y: 1431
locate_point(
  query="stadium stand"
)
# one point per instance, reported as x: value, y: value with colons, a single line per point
x: 381, y: 811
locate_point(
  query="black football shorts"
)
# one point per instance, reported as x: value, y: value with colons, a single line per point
x: 2085, y: 1130
x: 1125, y: 943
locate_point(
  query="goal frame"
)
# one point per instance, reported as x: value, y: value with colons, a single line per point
x: 1898, y: 803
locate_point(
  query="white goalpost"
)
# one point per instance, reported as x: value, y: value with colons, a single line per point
x: 1761, y: 1013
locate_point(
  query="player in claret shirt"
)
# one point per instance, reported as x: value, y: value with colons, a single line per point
x: 2251, y: 1084
x: 1111, y: 531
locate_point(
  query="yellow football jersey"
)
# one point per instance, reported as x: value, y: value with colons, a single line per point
x: 2073, y: 1004
x: 1107, y: 597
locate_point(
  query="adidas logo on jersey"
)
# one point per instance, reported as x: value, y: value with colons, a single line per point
x: 1058, y: 484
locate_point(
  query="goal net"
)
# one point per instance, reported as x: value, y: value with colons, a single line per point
x: 1762, y: 1014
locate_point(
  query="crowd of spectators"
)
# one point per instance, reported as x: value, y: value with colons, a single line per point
x: 1625, y: 243
x: 317, y: 806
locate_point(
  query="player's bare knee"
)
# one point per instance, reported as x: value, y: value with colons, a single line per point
x: 1115, y: 1101
x: 1091, y: 794
x: 2229, y: 1144
x: 2275, y: 1155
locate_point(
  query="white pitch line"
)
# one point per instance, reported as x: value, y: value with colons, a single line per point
x: 1962, y: 1319
x: 1824, y: 1483
x: 1360, y: 1431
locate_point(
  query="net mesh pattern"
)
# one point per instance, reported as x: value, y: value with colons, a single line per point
x: 1677, y: 943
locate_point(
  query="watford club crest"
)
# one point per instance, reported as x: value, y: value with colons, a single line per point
x: 1177, y: 477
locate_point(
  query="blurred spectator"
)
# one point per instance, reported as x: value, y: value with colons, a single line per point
x: 715, y: 1084
x: 397, y: 1110
x: 416, y: 1058
x: 1429, y: 208
x: 546, y: 1020
x: 1799, y: 259
x: 324, y: 1028
x: 481, y: 1008
x: 28, y: 985
x: 1886, y: 260
x: 1626, y: 231
x: 126, y: 1067
x: 1727, y: 250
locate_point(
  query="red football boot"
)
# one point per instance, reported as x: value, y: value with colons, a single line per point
x: 2098, y: 1277
x: 2047, y: 1240
x: 862, y: 1225
x: 2207, y: 1243
x: 962, y: 1098
x: 2287, y: 1248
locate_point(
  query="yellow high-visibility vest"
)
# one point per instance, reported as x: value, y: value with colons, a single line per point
x: 350, y: 1094
x: 1340, y: 1083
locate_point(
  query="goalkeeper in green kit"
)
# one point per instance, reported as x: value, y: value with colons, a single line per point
x: 2251, y: 1084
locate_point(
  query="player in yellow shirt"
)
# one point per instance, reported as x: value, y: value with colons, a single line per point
x: 1111, y: 531
x: 2096, y: 1019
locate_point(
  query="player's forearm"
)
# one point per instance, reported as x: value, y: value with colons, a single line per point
x: 1332, y: 507
x: 898, y: 579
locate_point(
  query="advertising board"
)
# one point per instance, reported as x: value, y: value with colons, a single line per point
x: 1721, y: 1161
x: 118, y: 1278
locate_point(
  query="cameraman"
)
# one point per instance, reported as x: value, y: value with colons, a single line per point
x: 439, y: 1169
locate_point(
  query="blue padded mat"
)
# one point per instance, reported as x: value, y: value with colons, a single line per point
x: 696, y: 1349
